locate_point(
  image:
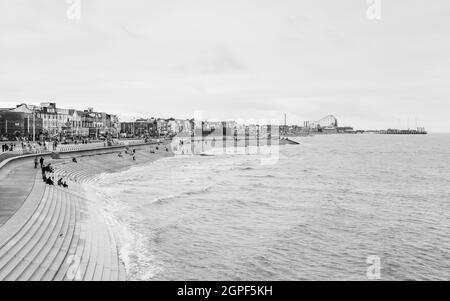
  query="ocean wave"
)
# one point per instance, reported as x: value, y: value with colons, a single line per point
x: 243, y: 168
x: 139, y: 261
x: 258, y: 177
x: 165, y: 199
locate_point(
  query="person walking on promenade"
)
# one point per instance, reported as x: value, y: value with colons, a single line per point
x: 42, y: 162
x: 36, y: 162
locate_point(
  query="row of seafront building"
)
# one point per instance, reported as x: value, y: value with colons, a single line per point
x: 34, y: 122
x: 49, y: 122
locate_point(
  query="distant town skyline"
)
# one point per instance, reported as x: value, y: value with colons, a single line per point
x: 232, y: 60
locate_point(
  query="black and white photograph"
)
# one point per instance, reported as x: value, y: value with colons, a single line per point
x: 199, y: 141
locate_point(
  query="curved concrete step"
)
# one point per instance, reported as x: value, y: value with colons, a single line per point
x: 46, y: 255
x: 82, y: 252
x: 22, y: 221
x: 28, y: 231
x: 70, y: 258
x: 56, y: 258
x: 42, y: 246
x: 99, y: 255
x: 78, y: 174
x: 92, y: 250
x: 29, y: 248
x: 114, y: 257
x: 15, y: 224
x: 59, y: 229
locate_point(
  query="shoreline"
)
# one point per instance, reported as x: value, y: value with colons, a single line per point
x: 98, y: 206
x: 55, y: 228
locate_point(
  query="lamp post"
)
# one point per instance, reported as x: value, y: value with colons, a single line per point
x: 34, y: 124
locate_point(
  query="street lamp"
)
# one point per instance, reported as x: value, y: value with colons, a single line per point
x: 34, y: 124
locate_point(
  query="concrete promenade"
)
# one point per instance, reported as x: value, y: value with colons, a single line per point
x: 16, y: 183
x: 51, y: 233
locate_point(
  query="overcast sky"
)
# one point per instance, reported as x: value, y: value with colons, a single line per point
x: 233, y: 59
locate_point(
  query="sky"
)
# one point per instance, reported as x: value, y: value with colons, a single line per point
x: 232, y: 59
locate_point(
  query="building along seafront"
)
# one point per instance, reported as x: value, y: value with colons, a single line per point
x: 49, y: 121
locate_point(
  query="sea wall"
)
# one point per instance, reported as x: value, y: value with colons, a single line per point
x: 98, y: 151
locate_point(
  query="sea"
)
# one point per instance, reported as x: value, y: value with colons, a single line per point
x: 334, y: 207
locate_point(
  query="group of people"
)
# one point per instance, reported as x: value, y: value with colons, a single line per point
x: 8, y: 147
x: 157, y: 148
x: 26, y: 146
x: 48, y: 175
x: 133, y: 152
x: 128, y: 152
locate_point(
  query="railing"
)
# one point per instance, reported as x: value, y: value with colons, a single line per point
x: 78, y: 147
x: 32, y: 149
x: 18, y: 150
x: 128, y: 142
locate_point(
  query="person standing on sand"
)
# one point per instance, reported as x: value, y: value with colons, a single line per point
x: 42, y: 162
x: 36, y: 162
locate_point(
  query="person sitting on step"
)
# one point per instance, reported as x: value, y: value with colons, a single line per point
x: 50, y: 181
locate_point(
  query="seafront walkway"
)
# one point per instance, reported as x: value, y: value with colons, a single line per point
x: 52, y: 233
x: 55, y: 237
x: 20, y: 150
x: 96, y: 145
x: 15, y: 186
